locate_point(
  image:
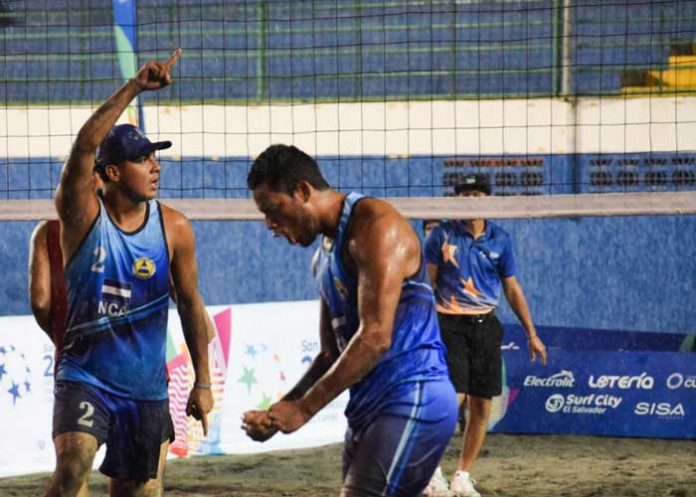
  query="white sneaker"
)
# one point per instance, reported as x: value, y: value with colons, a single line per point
x: 463, y: 485
x: 438, y: 486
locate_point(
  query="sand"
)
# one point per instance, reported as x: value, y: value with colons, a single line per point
x: 511, y: 466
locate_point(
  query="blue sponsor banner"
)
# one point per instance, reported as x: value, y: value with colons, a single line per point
x: 628, y: 390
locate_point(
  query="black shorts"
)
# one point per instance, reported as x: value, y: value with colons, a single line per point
x: 133, y: 430
x: 474, y: 359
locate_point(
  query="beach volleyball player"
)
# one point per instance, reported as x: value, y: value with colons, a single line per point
x: 118, y: 251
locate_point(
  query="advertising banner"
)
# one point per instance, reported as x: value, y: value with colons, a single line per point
x: 626, y: 391
x: 599, y: 382
x: 258, y: 353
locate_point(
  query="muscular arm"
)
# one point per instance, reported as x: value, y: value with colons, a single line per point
x: 208, y: 320
x: 40, y: 278
x: 184, y: 274
x: 385, y: 251
x: 76, y: 199
x: 189, y: 304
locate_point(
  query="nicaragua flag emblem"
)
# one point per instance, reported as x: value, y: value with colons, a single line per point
x: 144, y: 268
x: 116, y: 291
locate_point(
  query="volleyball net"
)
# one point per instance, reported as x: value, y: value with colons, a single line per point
x: 557, y: 100
x: 572, y: 109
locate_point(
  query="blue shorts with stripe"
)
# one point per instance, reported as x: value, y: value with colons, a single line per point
x: 394, y: 455
x: 133, y: 431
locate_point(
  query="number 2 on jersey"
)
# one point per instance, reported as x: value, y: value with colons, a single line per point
x: 99, y: 257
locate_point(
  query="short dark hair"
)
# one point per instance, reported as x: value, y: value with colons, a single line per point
x: 283, y: 167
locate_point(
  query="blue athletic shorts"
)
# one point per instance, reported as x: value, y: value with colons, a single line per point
x: 395, y: 455
x: 132, y: 430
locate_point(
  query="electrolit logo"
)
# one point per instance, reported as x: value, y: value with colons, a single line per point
x: 564, y: 379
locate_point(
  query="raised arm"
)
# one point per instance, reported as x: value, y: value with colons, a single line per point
x: 76, y: 199
x: 184, y: 273
x: 384, y: 251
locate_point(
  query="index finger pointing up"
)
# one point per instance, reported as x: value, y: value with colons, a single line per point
x: 174, y: 57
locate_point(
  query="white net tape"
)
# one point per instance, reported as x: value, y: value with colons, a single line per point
x: 513, y: 207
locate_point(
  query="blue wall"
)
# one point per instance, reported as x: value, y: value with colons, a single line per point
x: 633, y: 273
x: 413, y: 176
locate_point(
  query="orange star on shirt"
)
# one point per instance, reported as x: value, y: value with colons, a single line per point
x: 470, y: 288
x: 448, y: 251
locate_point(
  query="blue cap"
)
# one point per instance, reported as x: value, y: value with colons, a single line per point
x: 126, y: 142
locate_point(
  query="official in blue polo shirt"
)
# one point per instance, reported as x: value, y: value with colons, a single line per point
x: 469, y: 261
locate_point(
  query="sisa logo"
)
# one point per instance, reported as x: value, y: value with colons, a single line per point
x: 564, y: 379
x: 677, y: 380
x: 660, y: 409
x: 641, y: 382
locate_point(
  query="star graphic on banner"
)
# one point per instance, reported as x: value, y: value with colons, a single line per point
x: 265, y: 403
x: 15, y: 392
x: 3, y: 350
x: 282, y: 376
x: 27, y: 369
x: 251, y: 351
x: 3, y: 371
x: 470, y: 288
x: 248, y: 378
x: 448, y: 251
x: 27, y: 386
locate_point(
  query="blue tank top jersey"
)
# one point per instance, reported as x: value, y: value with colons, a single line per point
x: 118, y: 290
x: 416, y: 353
x: 469, y: 272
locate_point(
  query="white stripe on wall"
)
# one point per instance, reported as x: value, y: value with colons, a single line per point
x: 395, y: 129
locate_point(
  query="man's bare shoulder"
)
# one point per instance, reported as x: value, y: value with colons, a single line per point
x: 379, y: 234
x: 39, y: 237
x: 173, y: 216
x: 376, y: 207
x: 176, y: 224
x: 40, y: 233
x: 377, y: 223
x: 40, y: 229
x: 374, y: 211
